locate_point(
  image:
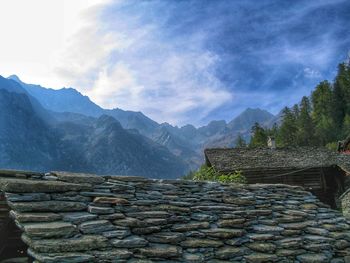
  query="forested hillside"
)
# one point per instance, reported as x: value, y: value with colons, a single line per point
x: 319, y: 120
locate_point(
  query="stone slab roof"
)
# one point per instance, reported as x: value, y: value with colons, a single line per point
x: 69, y: 217
x: 232, y: 159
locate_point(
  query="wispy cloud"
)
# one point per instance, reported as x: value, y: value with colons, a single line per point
x: 191, y: 61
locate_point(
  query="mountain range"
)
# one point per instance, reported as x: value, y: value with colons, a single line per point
x: 46, y: 129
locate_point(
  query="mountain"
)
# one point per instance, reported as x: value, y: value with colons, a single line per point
x: 61, y: 100
x: 107, y: 148
x: 276, y: 120
x: 70, y: 100
x: 248, y: 118
x: 71, y: 105
x: 134, y: 120
x: 25, y: 140
x: 75, y: 142
x: 241, y: 125
x: 13, y: 86
x: 186, y: 143
x: 189, y: 143
x: 179, y: 146
x: 213, y: 128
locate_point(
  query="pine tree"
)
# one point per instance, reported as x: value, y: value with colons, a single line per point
x: 259, y: 136
x: 342, y: 81
x: 338, y: 106
x: 305, y: 124
x: 273, y: 132
x: 288, y: 131
x: 324, y: 121
x: 323, y: 112
x: 240, y: 142
x: 346, y: 127
x: 296, y: 111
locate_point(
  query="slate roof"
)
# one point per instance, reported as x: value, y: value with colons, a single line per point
x: 233, y: 159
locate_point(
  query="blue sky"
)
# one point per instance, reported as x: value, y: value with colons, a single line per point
x: 194, y: 61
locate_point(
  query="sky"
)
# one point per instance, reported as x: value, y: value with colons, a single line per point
x: 183, y: 61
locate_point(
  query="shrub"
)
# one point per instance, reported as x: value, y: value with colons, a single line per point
x: 189, y: 176
x: 206, y: 173
x: 332, y: 146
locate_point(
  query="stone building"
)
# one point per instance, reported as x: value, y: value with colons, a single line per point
x: 344, y: 146
x: 345, y: 203
x: 319, y: 170
x: 65, y: 217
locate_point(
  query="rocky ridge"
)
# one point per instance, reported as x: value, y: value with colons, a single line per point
x: 69, y: 217
x: 31, y: 138
x: 187, y: 142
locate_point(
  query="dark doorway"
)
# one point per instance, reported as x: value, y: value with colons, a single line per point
x: 334, y: 178
x: 12, y: 248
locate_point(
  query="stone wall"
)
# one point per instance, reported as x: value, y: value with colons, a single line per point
x: 345, y: 203
x: 3, y: 209
x: 88, y: 218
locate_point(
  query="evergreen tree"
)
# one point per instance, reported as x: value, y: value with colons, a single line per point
x: 259, y: 136
x: 342, y: 82
x: 296, y: 111
x: 323, y: 121
x: 305, y: 124
x: 240, y: 142
x: 322, y: 102
x: 273, y: 132
x: 288, y: 131
x: 338, y: 106
x: 346, y: 127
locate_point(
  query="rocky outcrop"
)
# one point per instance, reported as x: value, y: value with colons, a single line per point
x: 87, y: 218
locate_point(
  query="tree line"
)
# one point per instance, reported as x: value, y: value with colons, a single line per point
x: 321, y: 119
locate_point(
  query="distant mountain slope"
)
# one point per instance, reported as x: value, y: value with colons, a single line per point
x: 248, y: 118
x: 179, y: 146
x: 25, y: 139
x: 110, y: 149
x: 276, y: 120
x: 13, y: 86
x: 186, y: 142
x: 70, y: 100
x: 61, y: 100
x: 134, y: 120
x: 241, y: 125
x: 213, y: 128
x: 75, y: 142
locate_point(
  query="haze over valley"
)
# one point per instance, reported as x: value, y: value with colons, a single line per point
x: 61, y: 129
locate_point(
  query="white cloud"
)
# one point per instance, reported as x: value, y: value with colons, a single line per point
x: 177, y: 85
x: 130, y: 68
x: 311, y: 73
x: 162, y: 57
x: 84, y: 55
x: 33, y: 31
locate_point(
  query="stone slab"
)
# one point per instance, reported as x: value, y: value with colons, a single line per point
x: 83, y: 243
x: 34, y: 217
x: 48, y: 206
x: 12, y: 185
x: 79, y: 177
x: 49, y: 230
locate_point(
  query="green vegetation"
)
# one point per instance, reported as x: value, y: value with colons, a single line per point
x: 319, y: 120
x: 206, y: 173
x: 260, y: 136
x: 240, y: 142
